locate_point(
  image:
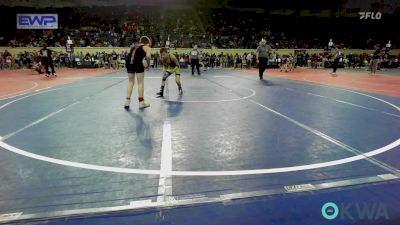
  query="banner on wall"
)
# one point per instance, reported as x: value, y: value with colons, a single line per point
x: 37, y: 21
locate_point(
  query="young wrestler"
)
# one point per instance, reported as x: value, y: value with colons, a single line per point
x: 135, y: 67
x: 171, y: 65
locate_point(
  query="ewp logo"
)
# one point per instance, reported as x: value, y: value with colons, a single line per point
x: 37, y: 21
x: 370, y: 15
x: 352, y: 211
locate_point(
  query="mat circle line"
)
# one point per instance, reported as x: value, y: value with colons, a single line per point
x: 204, y: 173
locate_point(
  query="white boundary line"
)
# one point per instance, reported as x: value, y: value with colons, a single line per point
x: 165, y: 182
x: 193, y: 201
x: 253, y: 93
x: 27, y: 96
x: 34, y: 123
x: 207, y: 173
x: 352, y: 104
x: 318, y: 133
x: 355, y: 105
x: 75, y: 164
x: 14, y: 96
x: 7, y: 96
x: 316, y: 95
x: 390, y: 114
x: 342, y: 89
x: 307, y: 82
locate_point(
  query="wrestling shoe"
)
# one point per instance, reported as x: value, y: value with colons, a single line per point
x: 143, y: 104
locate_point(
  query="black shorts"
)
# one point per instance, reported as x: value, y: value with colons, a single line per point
x: 135, y: 68
x: 194, y: 61
x: 263, y: 61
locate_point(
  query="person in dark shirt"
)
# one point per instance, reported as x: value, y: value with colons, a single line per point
x: 375, y: 58
x: 114, y: 60
x: 336, y: 57
x: 194, y: 58
x: 263, y: 51
x: 46, y: 55
x: 135, y: 67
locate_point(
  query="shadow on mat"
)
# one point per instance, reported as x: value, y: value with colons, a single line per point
x: 175, y: 107
x: 143, y: 132
x: 267, y: 83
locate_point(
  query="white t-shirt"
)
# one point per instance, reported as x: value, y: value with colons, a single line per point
x: 249, y: 57
x: 44, y: 53
x: 194, y: 54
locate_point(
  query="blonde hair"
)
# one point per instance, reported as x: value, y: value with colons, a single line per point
x: 162, y: 50
x: 144, y: 40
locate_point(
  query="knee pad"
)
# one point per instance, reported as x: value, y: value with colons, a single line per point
x: 166, y: 75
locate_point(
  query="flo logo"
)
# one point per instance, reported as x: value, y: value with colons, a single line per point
x: 370, y: 15
x: 355, y: 211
